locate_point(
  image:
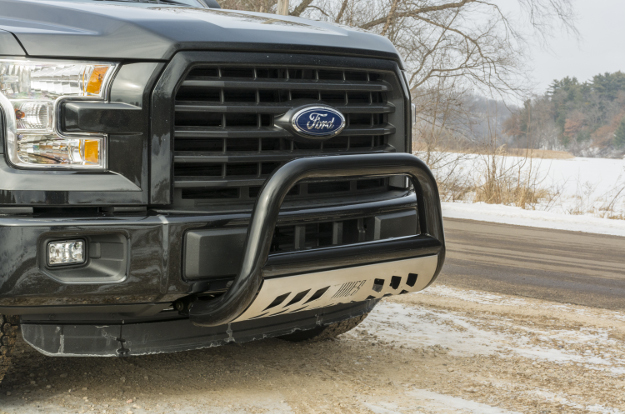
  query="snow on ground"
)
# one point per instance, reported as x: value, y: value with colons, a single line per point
x: 595, y: 178
x: 583, y: 191
x: 497, y: 213
x: 554, y: 353
x: 463, y: 334
x: 422, y: 400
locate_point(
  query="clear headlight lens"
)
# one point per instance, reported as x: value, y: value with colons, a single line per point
x: 30, y: 95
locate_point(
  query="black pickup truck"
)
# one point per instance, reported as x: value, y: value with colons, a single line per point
x: 174, y: 176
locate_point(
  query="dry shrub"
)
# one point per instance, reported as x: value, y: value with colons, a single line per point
x: 455, y: 189
x: 608, y: 209
x: 502, y: 181
x: 509, y: 192
x: 584, y: 199
x: 492, y: 178
x: 615, y: 216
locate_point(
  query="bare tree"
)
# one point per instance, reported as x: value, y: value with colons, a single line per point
x: 283, y: 7
x: 261, y: 6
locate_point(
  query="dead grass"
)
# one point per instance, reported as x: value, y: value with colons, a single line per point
x: 615, y: 216
x: 516, y: 183
x: 538, y: 153
x: 608, y: 208
x: 508, y: 192
x: 455, y: 189
x: 493, y: 179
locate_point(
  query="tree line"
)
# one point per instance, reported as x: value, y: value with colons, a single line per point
x: 586, y: 118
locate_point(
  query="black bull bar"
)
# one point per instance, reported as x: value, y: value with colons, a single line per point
x: 246, y: 285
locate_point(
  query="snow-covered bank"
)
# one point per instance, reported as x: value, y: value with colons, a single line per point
x: 577, y: 194
x: 571, y: 186
x: 533, y: 218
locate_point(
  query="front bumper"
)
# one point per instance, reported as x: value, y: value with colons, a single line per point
x: 135, y: 266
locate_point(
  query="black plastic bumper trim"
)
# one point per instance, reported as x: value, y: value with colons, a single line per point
x: 109, y: 340
x: 156, y: 242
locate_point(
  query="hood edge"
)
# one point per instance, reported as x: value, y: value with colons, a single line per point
x: 10, y: 45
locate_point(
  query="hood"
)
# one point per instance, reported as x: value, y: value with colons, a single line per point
x: 143, y: 31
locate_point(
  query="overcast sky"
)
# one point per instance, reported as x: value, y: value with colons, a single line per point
x: 601, y: 24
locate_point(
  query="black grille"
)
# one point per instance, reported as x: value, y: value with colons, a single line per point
x: 325, y: 234
x: 226, y: 143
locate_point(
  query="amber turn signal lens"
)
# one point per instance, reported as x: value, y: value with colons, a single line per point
x: 94, y: 86
x: 91, y: 151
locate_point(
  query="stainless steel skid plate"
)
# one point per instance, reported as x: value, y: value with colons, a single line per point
x: 297, y: 293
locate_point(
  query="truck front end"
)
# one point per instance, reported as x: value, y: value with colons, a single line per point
x: 174, y: 178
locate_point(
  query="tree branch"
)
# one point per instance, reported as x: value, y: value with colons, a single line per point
x: 342, y: 11
x: 415, y: 12
x: 390, y: 17
x: 301, y: 7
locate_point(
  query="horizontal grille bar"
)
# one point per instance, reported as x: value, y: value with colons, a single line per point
x: 289, y: 85
x: 222, y: 182
x: 250, y: 132
x: 276, y: 109
x: 368, y: 131
x: 268, y: 156
x: 240, y: 132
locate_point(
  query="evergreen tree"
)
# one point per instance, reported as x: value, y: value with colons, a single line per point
x: 619, y: 135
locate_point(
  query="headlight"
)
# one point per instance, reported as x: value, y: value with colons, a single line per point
x: 30, y: 95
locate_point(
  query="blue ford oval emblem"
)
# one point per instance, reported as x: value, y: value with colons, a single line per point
x: 321, y: 122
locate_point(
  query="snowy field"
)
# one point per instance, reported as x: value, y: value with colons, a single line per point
x: 582, y: 192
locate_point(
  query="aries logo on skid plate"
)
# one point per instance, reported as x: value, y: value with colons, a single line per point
x: 318, y: 122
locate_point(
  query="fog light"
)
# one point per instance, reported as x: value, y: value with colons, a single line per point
x: 66, y: 252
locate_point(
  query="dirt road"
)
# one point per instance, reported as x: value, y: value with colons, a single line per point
x: 445, y: 351
x: 456, y: 348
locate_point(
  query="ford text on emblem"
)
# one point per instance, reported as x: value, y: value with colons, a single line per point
x: 321, y: 122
